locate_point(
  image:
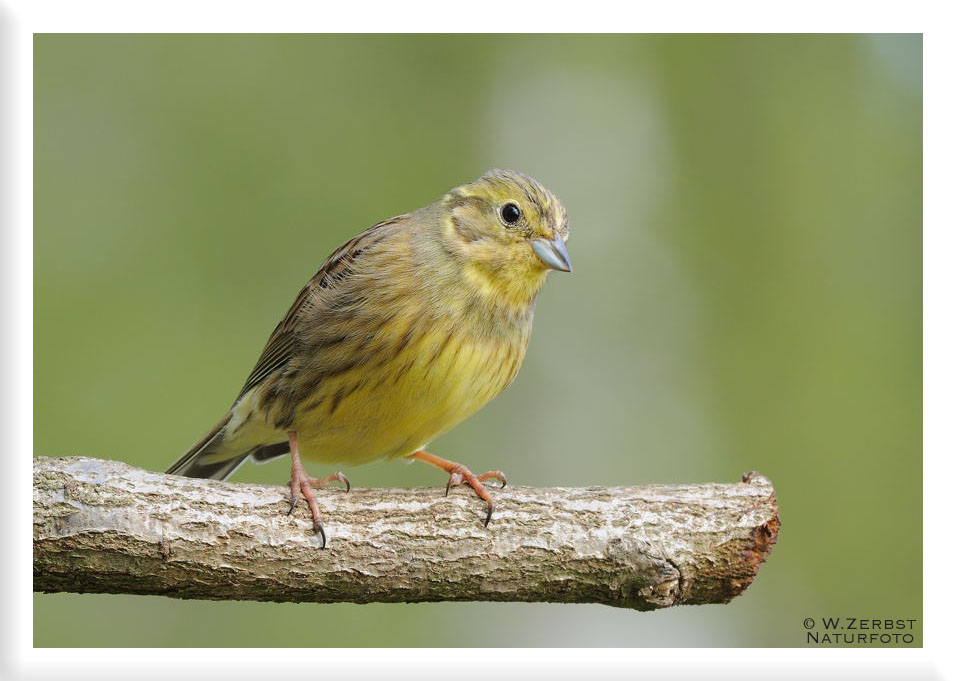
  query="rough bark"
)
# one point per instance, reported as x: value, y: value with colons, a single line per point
x: 106, y: 527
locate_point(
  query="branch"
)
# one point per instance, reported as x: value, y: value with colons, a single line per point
x: 106, y: 527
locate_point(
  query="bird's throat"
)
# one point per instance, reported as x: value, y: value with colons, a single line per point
x: 503, y: 293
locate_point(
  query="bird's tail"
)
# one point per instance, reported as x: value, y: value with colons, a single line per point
x: 214, y: 458
x: 209, y: 457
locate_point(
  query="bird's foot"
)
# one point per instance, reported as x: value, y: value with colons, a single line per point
x: 303, y: 486
x: 459, y: 475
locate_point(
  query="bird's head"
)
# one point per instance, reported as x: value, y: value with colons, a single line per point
x: 508, y: 229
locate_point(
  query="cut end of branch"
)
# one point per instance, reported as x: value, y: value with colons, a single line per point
x: 764, y: 535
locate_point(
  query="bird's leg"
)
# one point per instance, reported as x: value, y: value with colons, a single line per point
x: 458, y: 474
x: 301, y: 485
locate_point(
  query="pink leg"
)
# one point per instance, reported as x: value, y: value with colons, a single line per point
x: 301, y: 485
x: 457, y: 474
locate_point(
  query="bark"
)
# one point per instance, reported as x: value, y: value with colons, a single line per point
x: 107, y: 527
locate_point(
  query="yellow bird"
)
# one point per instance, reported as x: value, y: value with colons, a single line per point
x: 406, y: 330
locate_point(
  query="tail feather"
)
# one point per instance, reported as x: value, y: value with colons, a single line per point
x: 207, y: 458
x: 269, y: 452
x: 211, y: 457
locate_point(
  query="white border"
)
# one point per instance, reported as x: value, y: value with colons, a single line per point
x: 20, y: 660
x: 16, y: 407
x: 487, y: 16
x: 939, y: 343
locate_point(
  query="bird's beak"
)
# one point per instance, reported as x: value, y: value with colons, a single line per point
x: 553, y: 253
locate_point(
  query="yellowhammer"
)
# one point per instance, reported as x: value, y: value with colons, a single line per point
x: 404, y: 331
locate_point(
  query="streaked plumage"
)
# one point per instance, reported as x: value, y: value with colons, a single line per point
x: 406, y: 330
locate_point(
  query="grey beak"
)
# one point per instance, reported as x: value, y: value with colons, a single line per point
x: 553, y: 253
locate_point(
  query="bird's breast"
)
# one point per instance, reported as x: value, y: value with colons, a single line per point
x: 414, y: 382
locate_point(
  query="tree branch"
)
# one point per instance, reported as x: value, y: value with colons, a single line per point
x: 106, y: 527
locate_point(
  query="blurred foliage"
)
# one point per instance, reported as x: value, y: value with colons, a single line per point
x: 746, y: 232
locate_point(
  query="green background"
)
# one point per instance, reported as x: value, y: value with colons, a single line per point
x: 746, y: 230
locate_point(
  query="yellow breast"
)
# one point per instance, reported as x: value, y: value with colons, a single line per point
x: 441, y: 378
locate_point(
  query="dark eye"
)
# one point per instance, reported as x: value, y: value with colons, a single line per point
x: 510, y: 213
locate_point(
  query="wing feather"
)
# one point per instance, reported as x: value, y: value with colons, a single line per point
x: 282, y: 344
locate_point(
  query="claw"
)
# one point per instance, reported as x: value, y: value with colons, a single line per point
x: 338, y: 475
x: 319, y: 530
x: 494, y: 475
x: 491, y: 509
x: 454, y: 479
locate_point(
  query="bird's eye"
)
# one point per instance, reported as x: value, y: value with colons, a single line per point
x: 510, y: 213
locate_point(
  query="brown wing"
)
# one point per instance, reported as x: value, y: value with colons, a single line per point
x: 282, y: 343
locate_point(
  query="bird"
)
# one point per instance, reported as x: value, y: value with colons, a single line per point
x: 406, y: 330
